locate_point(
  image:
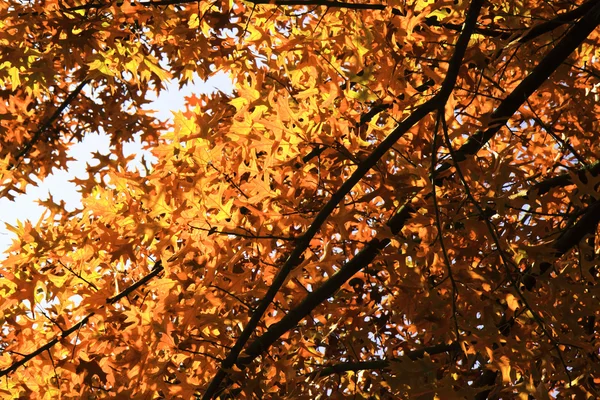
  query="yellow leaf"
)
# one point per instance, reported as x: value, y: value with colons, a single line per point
x: 194, y: 21
x: 14, y: 76
x: 307, y: 93
x: 504, y: 364
x: 238, y: 103
x: 161, y: 73
x: 101, y: 66
x: 512, y: 302
x: 363, y: 95
x: 40, y: 292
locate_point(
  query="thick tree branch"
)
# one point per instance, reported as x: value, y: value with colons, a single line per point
x: 311, y: 301
x: 158, y: 268
x: 586, y: 224
x: 560, y: 20
x: 295, y: 257
x: 384, y: 364
x: 566, y: 179
x: 555, y: 57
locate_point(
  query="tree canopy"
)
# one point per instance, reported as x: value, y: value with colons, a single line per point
x: 399, y: 200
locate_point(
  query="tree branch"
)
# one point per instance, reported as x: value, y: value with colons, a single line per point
x: 566, y: 179
x: 158, y: 268
x: 555, y: 57
x: 38, y: 134
x: 584, y: 226
x: 311, y: 301
x: 383, y: 364
x: 214, y: 230
x: 303, y: 242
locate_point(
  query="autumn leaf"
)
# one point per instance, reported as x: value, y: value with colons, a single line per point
x: 91, y: 369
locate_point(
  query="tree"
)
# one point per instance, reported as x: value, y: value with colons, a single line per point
x: 400, y: 200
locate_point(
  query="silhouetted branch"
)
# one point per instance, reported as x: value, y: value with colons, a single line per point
x: 565, y: 179
x: 312, y: 300
x: 555, y: 57
x: 303, y: 242
x: 46, y: 125
x: 242, y: 235
x: 158, y: 268
x: 586, y: 224
x: 384, y: 364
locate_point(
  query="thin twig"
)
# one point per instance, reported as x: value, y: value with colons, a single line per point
x: 79, y: 276
x: 438, y: 220
x: 232, y: 295
x: 213, y: 230
x: 228, y: 179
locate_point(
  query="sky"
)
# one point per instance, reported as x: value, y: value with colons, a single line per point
x: 24, y: 207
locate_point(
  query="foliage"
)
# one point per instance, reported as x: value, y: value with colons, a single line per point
x: 398, y: 201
